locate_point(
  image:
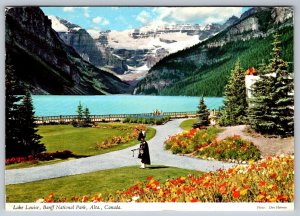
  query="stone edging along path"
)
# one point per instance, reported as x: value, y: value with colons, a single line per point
x: 117, y: 159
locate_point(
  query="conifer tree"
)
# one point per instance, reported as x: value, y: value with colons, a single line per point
x: 80, y: 113
x: 21, y: 138
x: 30, y: 138
x: 272, y: 108
x: 235, y: 103
x: 87, y: 119
x: 203, y: 115
x: 12, y: 139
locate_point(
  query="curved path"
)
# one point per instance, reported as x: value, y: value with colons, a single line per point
x: 117, y: 159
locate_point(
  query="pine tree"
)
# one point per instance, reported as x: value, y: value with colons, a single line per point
x: 30, y: 138
x: 261, y: 102
x: 12, y: 103
x: 235, y: 103
x: 21, y: 138
x: 87, y: 119
x: 80, y: 113
x: 273, y: 94
x: 203, y: 115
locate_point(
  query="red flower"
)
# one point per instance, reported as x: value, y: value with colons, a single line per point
x: 150, y: 178
x: 194, y: 200
x: 282, y: 198
x: 236, y: 194
x: 179, y: 192
x: 230, y: 170
x: 273, y: 175
x: 264, y: 165
x: 235, y: 136
x: 262, y: 183
x: 174, y: 199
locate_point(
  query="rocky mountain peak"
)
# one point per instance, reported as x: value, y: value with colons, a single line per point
x: 231, y: 21
x: 281, y: 14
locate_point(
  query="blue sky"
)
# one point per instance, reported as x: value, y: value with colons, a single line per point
x: 121, y: 18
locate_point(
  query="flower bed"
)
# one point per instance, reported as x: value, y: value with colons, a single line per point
x: 190, y: 141
x: 203, y: 144
x: 116, y: 140
x: 231, y: 149
x: 269, y: 180
x: 45, y: 156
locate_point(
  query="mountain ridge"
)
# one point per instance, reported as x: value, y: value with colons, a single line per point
x: 131, y: 53
x: 43, y: 61
x: 187, y: 69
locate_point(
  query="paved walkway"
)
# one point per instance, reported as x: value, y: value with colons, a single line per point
x: 117, y: 159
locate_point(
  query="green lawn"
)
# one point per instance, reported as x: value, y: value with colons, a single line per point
x: 187, y: 124
x: 81, y: 141
x: 107, y: 181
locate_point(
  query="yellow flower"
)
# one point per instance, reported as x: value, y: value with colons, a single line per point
x: 251, y: 162
x: 278, y: 178
x: 243, y: 192
x: 260, y: 197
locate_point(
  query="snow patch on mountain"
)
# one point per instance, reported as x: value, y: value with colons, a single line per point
x: 95, y: 34
x: 57, y: 25
x: 124, y: 40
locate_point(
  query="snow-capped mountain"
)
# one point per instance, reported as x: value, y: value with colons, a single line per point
x: 131, y: 53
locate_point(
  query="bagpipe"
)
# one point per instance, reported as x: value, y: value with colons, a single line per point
x: 137, y: 149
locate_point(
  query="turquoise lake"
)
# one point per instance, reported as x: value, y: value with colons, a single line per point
x: 53, y: 105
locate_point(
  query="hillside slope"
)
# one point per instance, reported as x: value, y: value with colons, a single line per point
x: 45, y: 63
x: 205, y: 67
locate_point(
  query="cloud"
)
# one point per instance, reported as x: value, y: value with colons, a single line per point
x: 86, y: 12
x: 100, y: 20
x: 68, y: 9
x: 200, y: 14
x: 143, y: 17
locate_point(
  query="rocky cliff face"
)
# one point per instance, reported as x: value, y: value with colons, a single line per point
x: 78, y: 38
x: 45, y: 63
x: 254, y: 23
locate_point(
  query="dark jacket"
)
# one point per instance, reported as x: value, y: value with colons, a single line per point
x: 144, y: 153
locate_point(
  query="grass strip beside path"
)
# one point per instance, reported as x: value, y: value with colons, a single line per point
x: 107, y: 181
x: 188, y: 124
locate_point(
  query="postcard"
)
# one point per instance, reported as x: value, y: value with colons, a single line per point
x: 149, y: 108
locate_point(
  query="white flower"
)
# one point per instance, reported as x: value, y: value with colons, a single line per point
x: 281, y: 156
x: 135, y: 198
x: 40, y: 201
